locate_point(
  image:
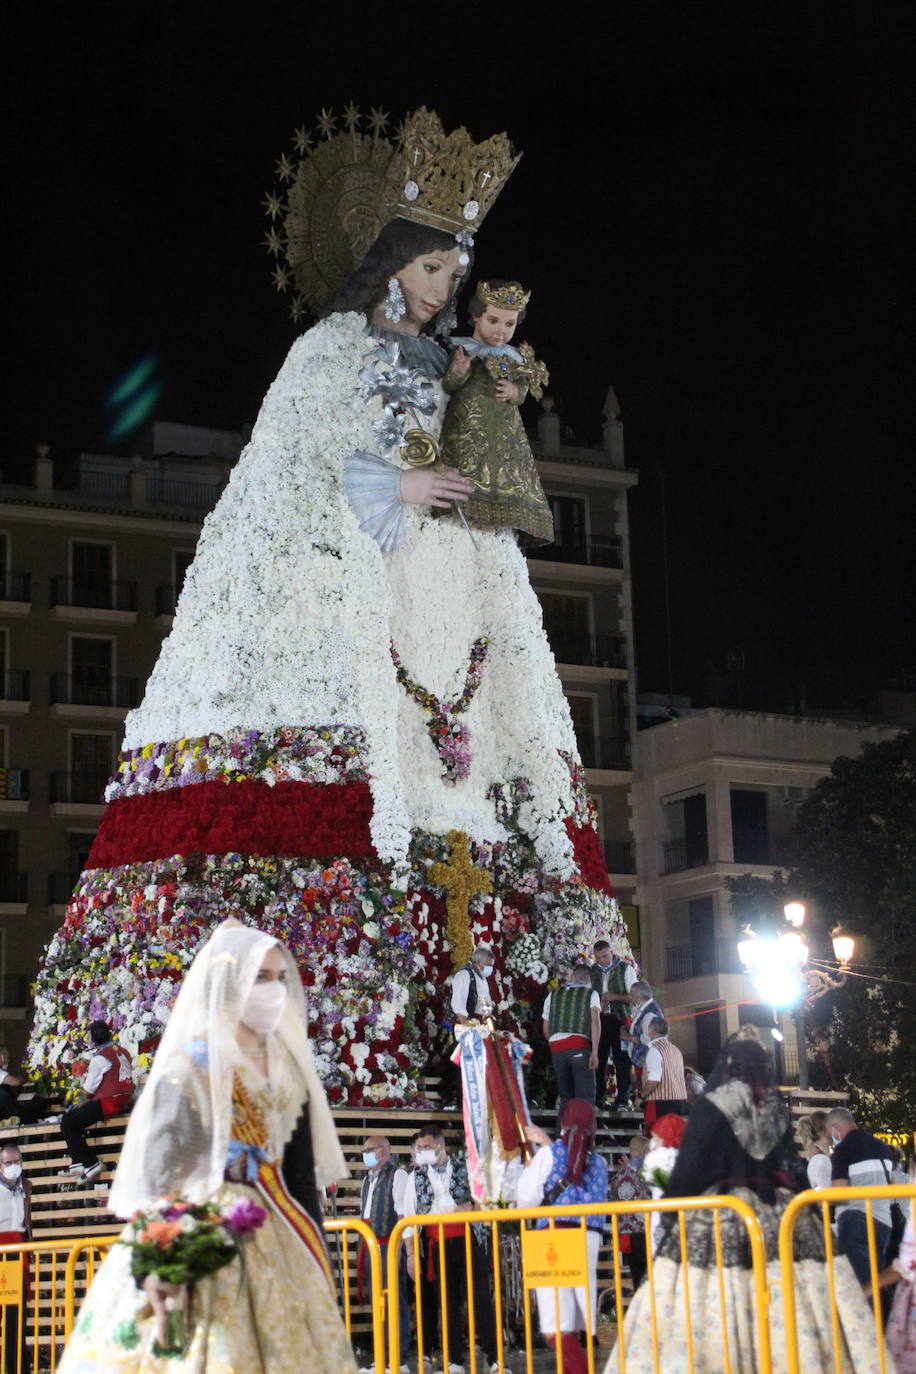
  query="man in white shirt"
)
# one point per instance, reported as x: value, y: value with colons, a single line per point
x: 471, y: 995
x: 439, y: 1183
x: 664, y: 1084
x: 107, y: 1090
x: 15, y: 1225
x: 381, y: 1203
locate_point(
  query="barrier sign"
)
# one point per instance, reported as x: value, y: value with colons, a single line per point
x: 555, y: 1259
x: 10, y: 1282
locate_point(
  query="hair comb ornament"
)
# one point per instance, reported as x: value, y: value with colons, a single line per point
x: 345, y: 180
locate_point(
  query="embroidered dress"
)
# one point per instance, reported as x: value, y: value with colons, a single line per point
x: 276, y: 1314
x: 901, y: 1324
x: 278, y: 771
x: 484, y: 438
x: 732, y: 1146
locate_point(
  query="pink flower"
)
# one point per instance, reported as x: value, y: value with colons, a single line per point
x: 244, y: 1217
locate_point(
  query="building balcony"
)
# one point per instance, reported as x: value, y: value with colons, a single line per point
x: 15, y: 687
x: 698, y: 961
x: 14, y: 784
x: 15, y: 586
x: 620, y: 857
x: 14, y: 888
x: 79, y: 789
x: 113, y: 693
x: 606, y: 553
x: 171, y: 491
x: 605, y: 752
x: 94, y: 598
x: 113, y: 486
x: 592, y: 651
x: 683, y: 854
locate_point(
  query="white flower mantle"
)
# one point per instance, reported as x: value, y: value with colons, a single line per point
x: 288, y: 610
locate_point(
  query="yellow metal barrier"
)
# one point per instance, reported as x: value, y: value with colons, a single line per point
x: 824, y: 1198
x: 345, y: 1229
x: 568, y: 1267
x: 93, y: 1248
x: 47, y: 1289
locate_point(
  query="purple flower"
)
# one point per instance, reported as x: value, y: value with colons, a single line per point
x: 244, y: 1217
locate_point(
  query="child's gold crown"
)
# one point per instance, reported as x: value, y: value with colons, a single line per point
x: 512, y: 296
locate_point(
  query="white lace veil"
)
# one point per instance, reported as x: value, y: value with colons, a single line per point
x: 178, y: 1135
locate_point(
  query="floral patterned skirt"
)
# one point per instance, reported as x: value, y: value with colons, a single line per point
x: 677, y: 1326
x: 275, y: 1316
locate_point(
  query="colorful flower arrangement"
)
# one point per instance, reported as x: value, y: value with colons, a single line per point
x: 181, y: 1242
x: 450, y: 738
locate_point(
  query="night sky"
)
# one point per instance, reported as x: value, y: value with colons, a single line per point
x: 714, y: 211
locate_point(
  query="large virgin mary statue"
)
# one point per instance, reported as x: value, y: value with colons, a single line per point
x: 355, y: 736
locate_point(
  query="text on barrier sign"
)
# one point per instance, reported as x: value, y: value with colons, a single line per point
x: 10, y: 1282
x: 555, y: 1259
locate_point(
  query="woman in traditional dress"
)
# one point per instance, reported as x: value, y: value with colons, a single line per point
x: 233, y: 1109
x: 739, y: 1142
x: 348, y: 682
x: 900, y: 1334
x: 568, y: 1171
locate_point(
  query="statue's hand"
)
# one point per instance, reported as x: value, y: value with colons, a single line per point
x: 460, y: 363
x: 434, y: 487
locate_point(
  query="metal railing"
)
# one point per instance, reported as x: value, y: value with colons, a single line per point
x: 95, y: 593
x: 15, y: 685
x: 14, y: 784
x: 698, y: 960
x: 597, y: 553
x: 81, y: 788
x: 115, y: 485
x: 70, y: 690
x: 619, y: 856
x: 681, y: 854
x: 605, y: 751
x: 171, y: 491
x: 592, y: 651
x: 15, y: 586
x: 751, y: 846
x: 823, y: 1198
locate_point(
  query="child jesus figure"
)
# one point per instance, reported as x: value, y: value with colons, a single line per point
x: 482, y: 433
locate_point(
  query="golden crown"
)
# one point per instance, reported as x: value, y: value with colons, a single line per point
x: 449, y: 181
x: 511, y: 296
x: 336, y: 196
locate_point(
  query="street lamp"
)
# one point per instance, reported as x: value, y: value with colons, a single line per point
x: 785, y: 976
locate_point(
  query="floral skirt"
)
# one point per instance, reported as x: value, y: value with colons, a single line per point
x: 275, y: 1316
x: 677, y: 1327
x: 901, y: 1327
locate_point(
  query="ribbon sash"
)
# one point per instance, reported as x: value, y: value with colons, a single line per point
x: 272, y: 1187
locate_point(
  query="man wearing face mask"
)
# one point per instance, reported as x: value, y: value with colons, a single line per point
x: 439, y: 1183
x: 860, y: 1160
x: 381, y: 1203
x: 15, y: 1225
x: 471, y: 995
x: 107, y: 1091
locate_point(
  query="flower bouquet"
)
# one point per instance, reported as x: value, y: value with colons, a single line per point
x: 180, y: 1242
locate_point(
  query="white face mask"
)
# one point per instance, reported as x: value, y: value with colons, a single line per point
x: 835, y: 1138
x: 11, y: 1172
x: 488, y: 971
x: 426, y: 1157
x: 264, y: 1007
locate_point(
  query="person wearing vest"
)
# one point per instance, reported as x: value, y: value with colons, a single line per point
x: 612, y: 979
x: 664, y: 1085
x: 439, y: 1183
x: 15, y: 1225
x: 572, y: 1028
x: 107, y: 1091
x: 381, y: 1202
x: 469, y: 985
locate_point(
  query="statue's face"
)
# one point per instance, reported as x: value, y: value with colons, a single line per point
x: 429, y: 282
x: 495, y: 327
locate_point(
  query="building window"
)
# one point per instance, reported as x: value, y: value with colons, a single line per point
x: 10, y: 879
x: 749, y: 827
x: 582, y: 710
x: 91, y: 572
x: 80, y: 845
x: 569, y: 522
x: 91, y: 760
x: 91, y: 670
x: 688, y: 846
x: 181, y: 561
